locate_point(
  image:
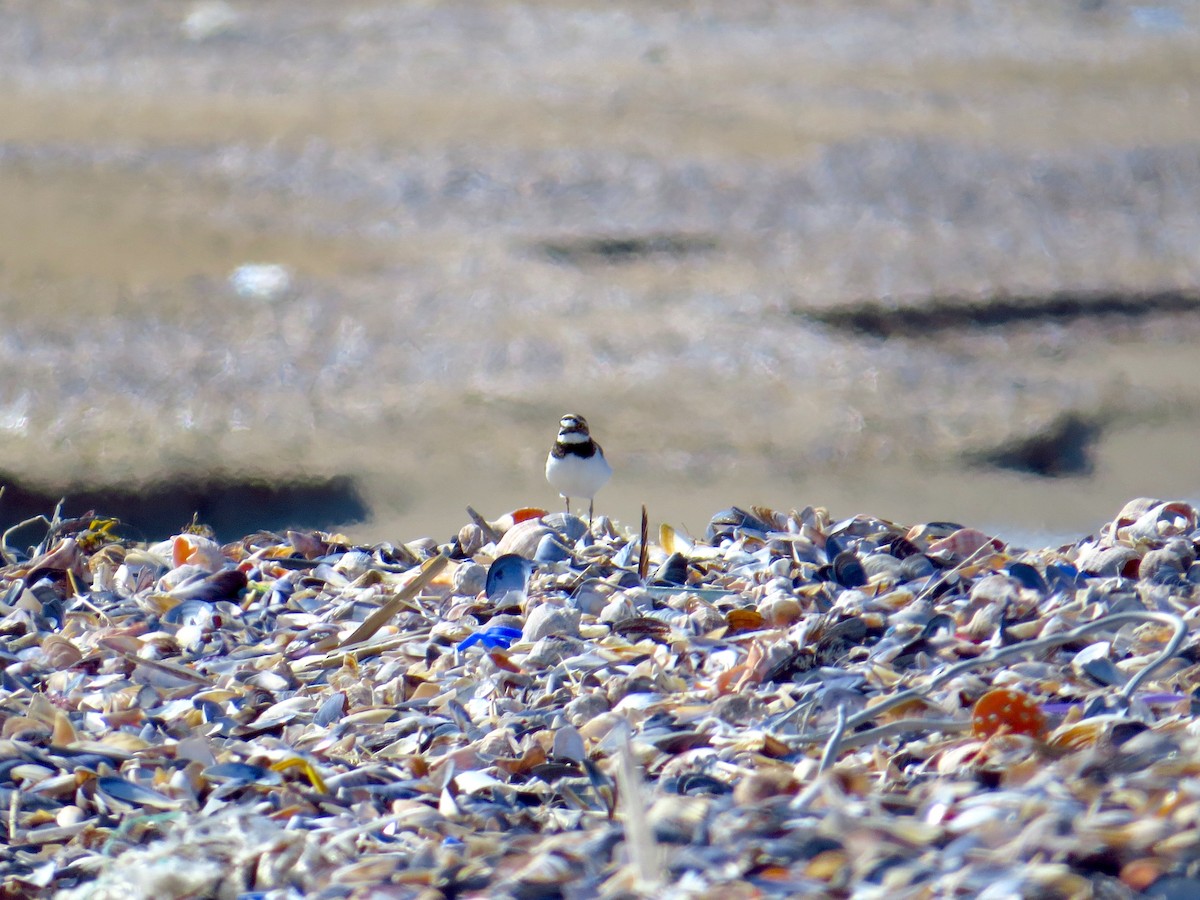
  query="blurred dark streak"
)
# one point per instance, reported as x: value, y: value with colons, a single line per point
x: 941, y: 314
x: 617, y: 250
x: 1064, y: 449
x: 233, y: 506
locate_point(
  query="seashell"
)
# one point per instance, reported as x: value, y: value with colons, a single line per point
x: 963, y: 544
x: 740, y: 620
x: 196, y: 550
x: 1107, y: 561
x: 471, y: 539
x: 847, y: 570
x: 780, y: 611
x: 641, y: 627
x: 353, y: 564
x: 273, y: 682
x: 1094, y: 661
x: 1083, y: 733
x: 997, y: 590
x: 569, y: 528
x: 240, y: 773
x: 508, y: 574
x: 69, y: 815
x: 672, y: 571
x: 551, y: 550
x: 190, y: 612
x: 375, y: 716
x: 60, y: 653
x: 1160, y: 522
x: 545, y: 621
x: 365, y: 872
x: 731, y: 523
x: 628, y: 556
x: 1062, y: 576
x: 1027, y: 576
x: 29, y: 774
x: 902, y: 548
x: 772, y: 518
x: 468, y: 580
x: 1004, y: 710
x: 120, y: 791
x: 227, y: 584
x: 1134, y: 510
x: 916, y: 567
x: 696, y: 784
x: 568, y: 744
x: 863, y: 526
x: 1165, y: 565
x: 517, y: 516
x: 523, y: 539
x: 672, y: 541
x: 926, y: 534
x: 838, y: 639
x: 882, y: 566
x: 705, y: 618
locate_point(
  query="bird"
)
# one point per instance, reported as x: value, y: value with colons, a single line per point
x: 576, y: 466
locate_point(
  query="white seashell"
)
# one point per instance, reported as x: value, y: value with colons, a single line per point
x: 1161, y: 522
x: 523, y: 538
x: 568, y: 744
x: 1098, y: 560
x: 474, y: 781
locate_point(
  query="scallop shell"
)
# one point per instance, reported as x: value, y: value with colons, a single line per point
x: 523, y: 538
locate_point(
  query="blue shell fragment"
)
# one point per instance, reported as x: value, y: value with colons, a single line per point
x: 509, y: 572
x: 493, y: 637
x: 1028, y: 576
x: 551, y: 550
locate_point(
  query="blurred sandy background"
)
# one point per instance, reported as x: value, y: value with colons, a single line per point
x: 923, y: 260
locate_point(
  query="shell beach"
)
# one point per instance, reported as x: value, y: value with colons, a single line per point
x: 786, y: 705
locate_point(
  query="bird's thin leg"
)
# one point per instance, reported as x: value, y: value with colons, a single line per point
x: 568, y: 499
x: 591, y: 505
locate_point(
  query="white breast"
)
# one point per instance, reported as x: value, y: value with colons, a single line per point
x: 574, y: 476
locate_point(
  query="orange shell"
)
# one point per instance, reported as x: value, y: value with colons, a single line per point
x: 526, y: 512
x: 1008, y: 711
x: 744, y: 620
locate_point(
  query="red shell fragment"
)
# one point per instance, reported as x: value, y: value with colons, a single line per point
x: 1007, y: 711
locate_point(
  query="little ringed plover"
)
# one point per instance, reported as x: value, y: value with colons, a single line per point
x: 576, y: 466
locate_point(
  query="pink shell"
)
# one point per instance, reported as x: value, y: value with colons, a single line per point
x: 963, y: 543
